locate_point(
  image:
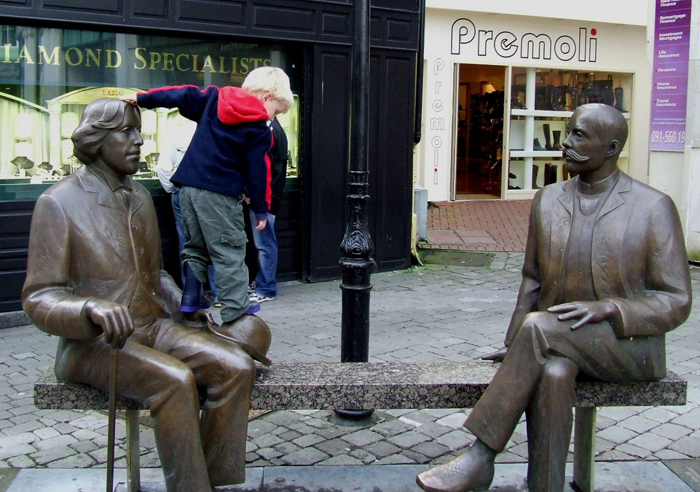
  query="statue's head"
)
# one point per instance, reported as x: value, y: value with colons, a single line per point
x: 596, y: 134
x: 109, y: 133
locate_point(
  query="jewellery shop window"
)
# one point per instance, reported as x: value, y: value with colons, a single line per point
x: 48, y: 76
x: 541, y: 102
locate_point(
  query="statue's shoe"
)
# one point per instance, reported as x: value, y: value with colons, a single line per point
x: 496, y: 356
x: 470, y: 472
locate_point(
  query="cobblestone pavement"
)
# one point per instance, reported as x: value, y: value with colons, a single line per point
x: 431, y: 313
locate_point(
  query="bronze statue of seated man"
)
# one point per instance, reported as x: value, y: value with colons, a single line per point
x: 605, y: 276
x: 94, y: 279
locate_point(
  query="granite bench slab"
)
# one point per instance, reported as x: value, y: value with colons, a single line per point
x: 396, y: 385
x: 317, y: 385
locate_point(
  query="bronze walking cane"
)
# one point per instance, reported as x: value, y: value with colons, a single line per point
x: 112, y: 417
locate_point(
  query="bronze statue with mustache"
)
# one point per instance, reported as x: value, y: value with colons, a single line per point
x: 605, y: 276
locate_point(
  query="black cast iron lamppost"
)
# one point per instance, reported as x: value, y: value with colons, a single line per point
x: 356, y: 263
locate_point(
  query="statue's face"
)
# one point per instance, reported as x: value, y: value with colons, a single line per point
x: 121, y: 148
x: 584, y: 150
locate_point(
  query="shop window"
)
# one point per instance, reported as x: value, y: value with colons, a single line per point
x: 541, y: 102
x: 48, y: 76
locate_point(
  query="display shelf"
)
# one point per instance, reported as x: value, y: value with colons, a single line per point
x: 545, y: 154
x: 541, y: 108
x: 541, y: 113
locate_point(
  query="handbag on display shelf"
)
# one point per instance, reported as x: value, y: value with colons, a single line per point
x: 574, y: 92
x: 601, y: 91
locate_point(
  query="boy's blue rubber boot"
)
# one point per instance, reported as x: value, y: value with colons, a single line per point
x: 192, y: 293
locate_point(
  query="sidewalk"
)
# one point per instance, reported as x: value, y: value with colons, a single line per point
x: 436, y: 312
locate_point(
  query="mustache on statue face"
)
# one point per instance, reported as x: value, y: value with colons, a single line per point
x: 574, y: 156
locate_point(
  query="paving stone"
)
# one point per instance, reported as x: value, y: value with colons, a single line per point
x: 689, y: 446
x: 363, y: 455
x: 638, y: 424
x: 431, y: 449
x: 334, y: 447
x: 454, y: 421
x: 259, y: 427
x: 74, y: 461
x: 391, y: 428
x: 342, y: 460
x: 415, y: 456
x: 46, y: 432
x: 47, y: 456
x: 287, y: 448
x: 395, y: 459
x: 651, y: 442
x: 408, y: 439
x: 268, y: 453
x: 289, y: 435
x: 306, y: 456
x: 433, y: 430
x: 66, y: 440
x: 633, y: 450
x: 382, y: 449
x: 659, y: 414
x: 16, y: 450
x: 267, y: 440
x: 21, y: 461
x: 362, y: 438
x: 616, y: 434
x: 84, y: 446
x: 417, y: 418
x: 308, y: 440
x: 671, y: 431
x: 458, y: 439
x: 668, y: 454
x: 619, y: 413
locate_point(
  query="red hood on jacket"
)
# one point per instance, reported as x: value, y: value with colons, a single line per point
x: 239, y: 106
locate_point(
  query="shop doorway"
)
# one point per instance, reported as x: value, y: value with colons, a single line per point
x: 479, y: 103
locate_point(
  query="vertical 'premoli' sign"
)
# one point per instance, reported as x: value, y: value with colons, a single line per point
x: 670, y: 79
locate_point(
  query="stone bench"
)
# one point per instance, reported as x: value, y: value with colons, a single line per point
x: 318, y: 385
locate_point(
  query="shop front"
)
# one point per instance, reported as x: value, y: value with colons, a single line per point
x: 499, y: 90
x: 57, y: 59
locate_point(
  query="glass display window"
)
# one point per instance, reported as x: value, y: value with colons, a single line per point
x: 541, y: 102
x: 48, y: 76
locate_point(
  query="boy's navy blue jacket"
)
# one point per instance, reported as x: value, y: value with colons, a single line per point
x: 228, y: 152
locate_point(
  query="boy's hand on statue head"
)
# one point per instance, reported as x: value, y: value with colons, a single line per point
x: 114, y: 319
x: 584, y: 311
x: 131, y: 100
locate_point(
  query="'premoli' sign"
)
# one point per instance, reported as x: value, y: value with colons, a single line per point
x: 581, y: 46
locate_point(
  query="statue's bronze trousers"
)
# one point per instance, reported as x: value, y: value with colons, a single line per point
x: 538, y: 376
x: 163, y: 365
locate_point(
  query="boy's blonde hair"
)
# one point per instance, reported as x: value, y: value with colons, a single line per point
x: 272, y: 80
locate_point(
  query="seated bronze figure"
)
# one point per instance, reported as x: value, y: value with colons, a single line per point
x: 94, y: 279
x: 605, y: 276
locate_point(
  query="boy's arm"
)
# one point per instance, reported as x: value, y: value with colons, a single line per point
x: 258, y: 183
x: 278, y: 156
x: 189, y: 99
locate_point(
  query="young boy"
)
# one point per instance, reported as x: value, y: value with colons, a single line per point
x: 227, y: 155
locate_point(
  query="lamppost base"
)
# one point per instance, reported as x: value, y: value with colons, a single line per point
x: 350, y: 417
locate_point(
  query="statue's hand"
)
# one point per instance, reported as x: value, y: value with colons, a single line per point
x: 114, y: 319
x: 584, y: 311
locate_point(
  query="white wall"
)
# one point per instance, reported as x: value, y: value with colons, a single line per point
x: 620, y: 48
x: 628, y: 12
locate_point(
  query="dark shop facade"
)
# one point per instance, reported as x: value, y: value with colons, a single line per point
x: 56, y: 56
